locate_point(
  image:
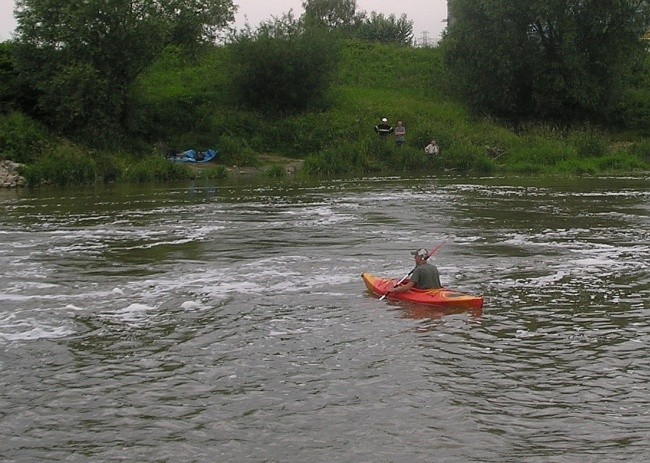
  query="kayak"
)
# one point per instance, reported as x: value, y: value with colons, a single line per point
x: 441, y: 297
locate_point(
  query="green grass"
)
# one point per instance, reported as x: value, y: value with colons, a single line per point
x: 183, y: 102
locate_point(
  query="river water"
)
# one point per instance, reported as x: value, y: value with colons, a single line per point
x: 229, y: 323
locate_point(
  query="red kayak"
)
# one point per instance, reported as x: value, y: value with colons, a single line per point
x: 441, y: 297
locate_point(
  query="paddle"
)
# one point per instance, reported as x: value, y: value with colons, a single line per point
x: 432, y: 252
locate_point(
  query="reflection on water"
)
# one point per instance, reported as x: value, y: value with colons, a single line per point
x: 229, y: 322
x: 420, y: 312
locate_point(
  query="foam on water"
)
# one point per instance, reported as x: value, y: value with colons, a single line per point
x: 135, y: 313
x: 33, y: 331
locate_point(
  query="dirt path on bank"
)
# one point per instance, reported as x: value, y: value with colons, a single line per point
x: 290, y: 165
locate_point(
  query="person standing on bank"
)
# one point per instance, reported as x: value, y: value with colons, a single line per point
x: 425, y: 275
x: 400, y: 134
x: 384, y: 128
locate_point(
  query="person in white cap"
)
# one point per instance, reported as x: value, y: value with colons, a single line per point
x: 384, y: 128
x: 425, y: 275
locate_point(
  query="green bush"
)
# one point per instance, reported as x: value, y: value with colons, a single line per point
x: 484, y: 165
x: 67, y: 165
x: 275, y: 171
x: 110, y: 167
x: 620, y: 162
x: 578, y: 167
x: 642, y: 150
x: 237, y: 152
x: 637, y: 109
x: 21, y: 139
x: 344, y: 160
x: 408, y: 159
x: 311, y: 132
x: 283, y: 74
x: 544, y: 151
x: 153, y: 168
x: 461, y: 157
x: 588, y: 144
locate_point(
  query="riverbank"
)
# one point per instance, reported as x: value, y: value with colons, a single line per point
x: 336, y: 141
x: 265, y: 162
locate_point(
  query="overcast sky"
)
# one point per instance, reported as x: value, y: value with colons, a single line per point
x: 428, y: 16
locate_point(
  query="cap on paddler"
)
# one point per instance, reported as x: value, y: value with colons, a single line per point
x: 421, y: 253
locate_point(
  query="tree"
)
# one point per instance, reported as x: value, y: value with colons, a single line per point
x: 8, y: 81
x: 283, y: 67
x: 558, y: 59
x: 382, y: 29
x: 81, y: 58
x: 332, y: 14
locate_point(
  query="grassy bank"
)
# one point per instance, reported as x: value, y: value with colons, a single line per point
x: 182, y: 102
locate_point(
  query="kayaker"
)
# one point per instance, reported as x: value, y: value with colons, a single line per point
x: 425, y: 275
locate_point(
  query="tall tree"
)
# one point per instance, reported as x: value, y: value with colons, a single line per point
x: 81, y: 58
x: 283, y: 67
x: 556, y: 59
x: 385, y: 29
x: 332, y: 14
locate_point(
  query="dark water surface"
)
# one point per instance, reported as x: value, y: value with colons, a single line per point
x: 230, y: 324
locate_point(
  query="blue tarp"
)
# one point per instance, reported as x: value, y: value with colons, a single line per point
x: 192, y: 156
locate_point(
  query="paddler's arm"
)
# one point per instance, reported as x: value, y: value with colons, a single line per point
x: 402, y: 288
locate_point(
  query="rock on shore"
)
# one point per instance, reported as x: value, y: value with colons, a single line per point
x: 9, y: 177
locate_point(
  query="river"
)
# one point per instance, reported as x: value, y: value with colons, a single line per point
x: 229, y: 323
